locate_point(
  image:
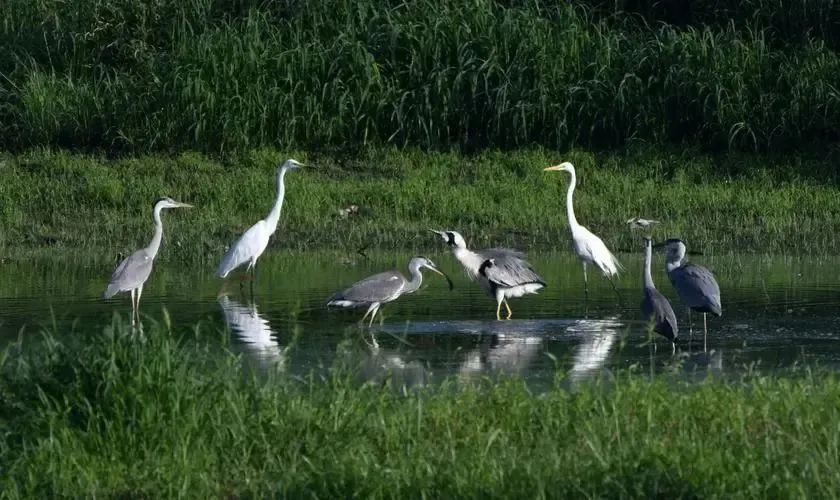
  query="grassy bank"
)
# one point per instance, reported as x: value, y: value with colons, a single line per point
x: 113, y: 415
x: 718, y: 204
x: 164, y: 75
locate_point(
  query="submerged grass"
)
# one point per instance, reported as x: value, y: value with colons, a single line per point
x: 116, y: 414
x: 91, y: 205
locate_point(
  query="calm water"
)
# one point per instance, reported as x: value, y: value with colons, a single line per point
x: 777, y: 312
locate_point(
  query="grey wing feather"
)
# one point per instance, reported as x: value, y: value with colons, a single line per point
x: 657, y: 306
x: 697, y: 287
x: 132, y: 272
x: 498, y: 252
x: 374, y: 288
x: 510, y: 270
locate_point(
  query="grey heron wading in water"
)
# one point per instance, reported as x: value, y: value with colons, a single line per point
x: 134, y: 270
x: 588, y: 247
x: 695, y: 285
x: 253, y: 242
x: 501, y: 272
x: 384, y: 287
x: 655, y: 307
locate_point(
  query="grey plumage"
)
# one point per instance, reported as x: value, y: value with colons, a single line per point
x: 695, y: 285
x: 131, y: 273
x: 383, y: 287
x: 654, y: 305
x: 510, y: 275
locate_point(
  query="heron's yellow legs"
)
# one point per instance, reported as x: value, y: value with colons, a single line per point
x: 499, y: 310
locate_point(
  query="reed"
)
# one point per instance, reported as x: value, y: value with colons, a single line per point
x: 115, y: 414
x: 160, y: 75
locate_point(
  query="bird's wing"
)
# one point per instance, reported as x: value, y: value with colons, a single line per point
x: 132, y: 272
x: 696, y: 285
x: 592, y: 248
x: 509, y: 271
x: 377, y: 288
x: 251, y: 244
x: 501, y: 252
x: 663, y: 312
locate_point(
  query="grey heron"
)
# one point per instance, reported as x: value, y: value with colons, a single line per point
x: 640, y: 223
x: 655, y: 307
x: 134, y: 270
x: 695, y: 285
x: 588, y: 247
x: 253, y: 242
x: 384, y: 287
x: 509, y: 275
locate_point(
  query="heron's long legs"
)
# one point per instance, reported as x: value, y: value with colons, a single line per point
x: 375, y: 310
x: 498, y: 310
x: 133, y: 305
x: 704, y: 332
x: 139, y: 293
x: 507, y: 306
x: 371, y: 308
x: 585, y: 281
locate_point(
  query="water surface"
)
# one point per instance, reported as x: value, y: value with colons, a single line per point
x: 778, y: 312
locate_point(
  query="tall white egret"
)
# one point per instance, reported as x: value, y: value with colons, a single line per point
x: 252, y: 243
x: 501, y: 272
x: 134, y: 270
x: 696, y: 285
x: 588, y: 247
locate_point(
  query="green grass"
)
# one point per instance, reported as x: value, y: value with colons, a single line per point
x: 71, y: 204
x: 113, y: 414
x: 166, y: 75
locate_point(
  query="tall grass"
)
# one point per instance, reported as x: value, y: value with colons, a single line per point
x: 116, y: 414
x: 740, y: 203
x: 161, y: 75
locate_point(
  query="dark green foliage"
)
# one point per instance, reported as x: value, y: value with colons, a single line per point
x: 163, y: 75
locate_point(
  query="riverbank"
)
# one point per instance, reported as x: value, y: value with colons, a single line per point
x: 57, y: 201
x: 116, y: 415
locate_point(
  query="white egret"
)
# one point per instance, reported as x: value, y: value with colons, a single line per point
x: 588, y: 247
x: 253, y: 242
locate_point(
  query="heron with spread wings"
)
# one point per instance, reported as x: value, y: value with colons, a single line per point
x: 502, y: 273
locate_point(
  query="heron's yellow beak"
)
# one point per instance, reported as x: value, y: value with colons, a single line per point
x: 448, y: 281
x: 185, y: 205
x: 554, y: 168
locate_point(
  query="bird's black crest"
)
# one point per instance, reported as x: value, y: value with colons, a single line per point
x: 482, y: 269
x: 159, y: 200
x: 450, y: 238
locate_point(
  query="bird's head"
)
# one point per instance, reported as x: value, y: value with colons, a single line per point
x: 168, y: 202
x: 674, y: 249
x: 452, y: 238
x: 291, y: 164
x: 563, y: 167
x: 647, y: 242
x: 420, y: 262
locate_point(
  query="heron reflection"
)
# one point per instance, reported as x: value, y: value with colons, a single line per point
x: 512, y: 349
x: 597, y: 338
x: 252, y: 330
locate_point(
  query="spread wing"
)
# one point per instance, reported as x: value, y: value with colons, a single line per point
x: 132, y: 272
x: 377, y: 288
x: 509, y: 270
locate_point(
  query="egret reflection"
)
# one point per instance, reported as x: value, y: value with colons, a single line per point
x: 597, y: 338
x: 252, y: 330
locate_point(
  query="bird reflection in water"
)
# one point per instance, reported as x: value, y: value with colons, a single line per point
x: 513, y: 347
x: 597, y: 338
x: 253, y: 331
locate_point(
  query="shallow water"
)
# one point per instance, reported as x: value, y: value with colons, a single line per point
x: 778, y: 312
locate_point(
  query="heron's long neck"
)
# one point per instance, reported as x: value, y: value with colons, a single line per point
x: 274, y: 215
x: 154, y: 245
x: 570, y: 209
x: 416, y: 279
x: 646, y: 274
x: 469, y: 259
x: 674, y: 262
